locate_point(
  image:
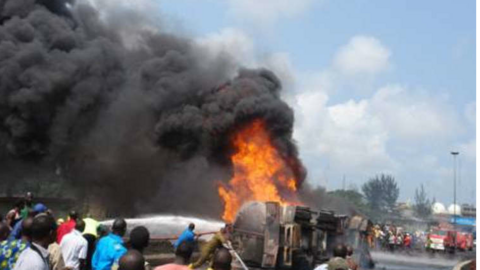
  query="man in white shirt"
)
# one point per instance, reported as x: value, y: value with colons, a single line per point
x: 74, y: 247
x: 35, y: 257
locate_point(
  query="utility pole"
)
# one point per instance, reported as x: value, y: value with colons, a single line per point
x: 455, y: 154
x: 343, y: 183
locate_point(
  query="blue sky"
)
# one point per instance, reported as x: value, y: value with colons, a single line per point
x: 377, y: 86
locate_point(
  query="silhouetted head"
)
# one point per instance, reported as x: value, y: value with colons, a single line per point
x: 191, y: 226
x: 80, y: 225
x: 132, y: 260
x: 102, y: 231
x: 4, y: 231
x: 44, y: 229
x: 119, y: 227
x: 183, y: 253
x: 340, y: 250
x: 349, y: 250
x: 139, y: 238
x: 222, y: 260
x: 27, y: 228
x: 73, y: 215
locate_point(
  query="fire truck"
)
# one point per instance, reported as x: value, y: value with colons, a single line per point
x: 267, y: 235
x: 435, y: 240
x: 456, y: 240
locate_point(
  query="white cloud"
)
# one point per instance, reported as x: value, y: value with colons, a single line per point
x: 266, y: 12
x: 231, y: 42
x: 414, y: 116
x: 363, y: 55
x: 396, y: 129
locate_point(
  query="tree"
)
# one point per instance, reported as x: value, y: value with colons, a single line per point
x: 422, y: 205
x: 373, y: 194
x: 381, y: 193
x: 390, y: 191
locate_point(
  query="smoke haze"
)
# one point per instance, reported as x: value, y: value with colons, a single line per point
x: 135, y: 119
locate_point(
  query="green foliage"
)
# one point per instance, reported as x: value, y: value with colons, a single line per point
x: 381, y: 193
x: 422, y: 205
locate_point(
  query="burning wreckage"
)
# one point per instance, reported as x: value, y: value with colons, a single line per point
x: 268, y: 235
x: 143, y: 122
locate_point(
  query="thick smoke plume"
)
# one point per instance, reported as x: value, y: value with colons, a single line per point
x: 124, y: 113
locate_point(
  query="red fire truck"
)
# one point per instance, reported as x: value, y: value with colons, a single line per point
x: 435, y: 240
x: 456, y: 240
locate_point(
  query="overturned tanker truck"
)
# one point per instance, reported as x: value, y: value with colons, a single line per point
x: 267, y: 235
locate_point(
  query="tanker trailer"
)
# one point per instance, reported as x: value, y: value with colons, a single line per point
x: 267, y: 235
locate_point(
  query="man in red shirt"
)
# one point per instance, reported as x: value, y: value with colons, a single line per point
x: 67, y: 227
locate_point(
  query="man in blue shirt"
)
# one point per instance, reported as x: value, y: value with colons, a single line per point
x: 110, y: 248
x: 188, y: 236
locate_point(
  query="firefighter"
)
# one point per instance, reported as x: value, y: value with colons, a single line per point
x: 208, y: 250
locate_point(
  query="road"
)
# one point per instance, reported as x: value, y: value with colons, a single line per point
x: 397, y: 261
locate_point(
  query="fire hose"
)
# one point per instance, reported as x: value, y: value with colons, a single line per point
x: 229, y: 246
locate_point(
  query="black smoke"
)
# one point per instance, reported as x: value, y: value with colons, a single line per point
x: 133, y: 128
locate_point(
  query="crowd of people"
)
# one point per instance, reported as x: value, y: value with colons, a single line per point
x: 31, y: 239
x: 392, y: 238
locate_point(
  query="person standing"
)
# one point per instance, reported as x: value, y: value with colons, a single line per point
x: 139, y: 241
x: 27, y: 205
x: 37, y: 209
x: 187, y: 235
x: 208, y: 250
x: 74, y: 247
x: 111, y: 247
x: 13, y: 216
x: 67, y: 227
x: 183, y: 253
x: 90, y: 234
x: 11, y: 249
x: 132, y: 260
x: 35, y: 257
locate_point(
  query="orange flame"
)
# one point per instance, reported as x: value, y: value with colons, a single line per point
x: 260, y: 172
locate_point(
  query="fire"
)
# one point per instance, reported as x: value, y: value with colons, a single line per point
x: 259, y: 171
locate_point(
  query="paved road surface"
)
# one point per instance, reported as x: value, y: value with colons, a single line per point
x: 396, y: 261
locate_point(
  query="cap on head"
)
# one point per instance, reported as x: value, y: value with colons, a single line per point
x: 191, y: 226
x: 139, y: 238
x: 222, y: 260
x: 132, y: 260
x: 39, y: 208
